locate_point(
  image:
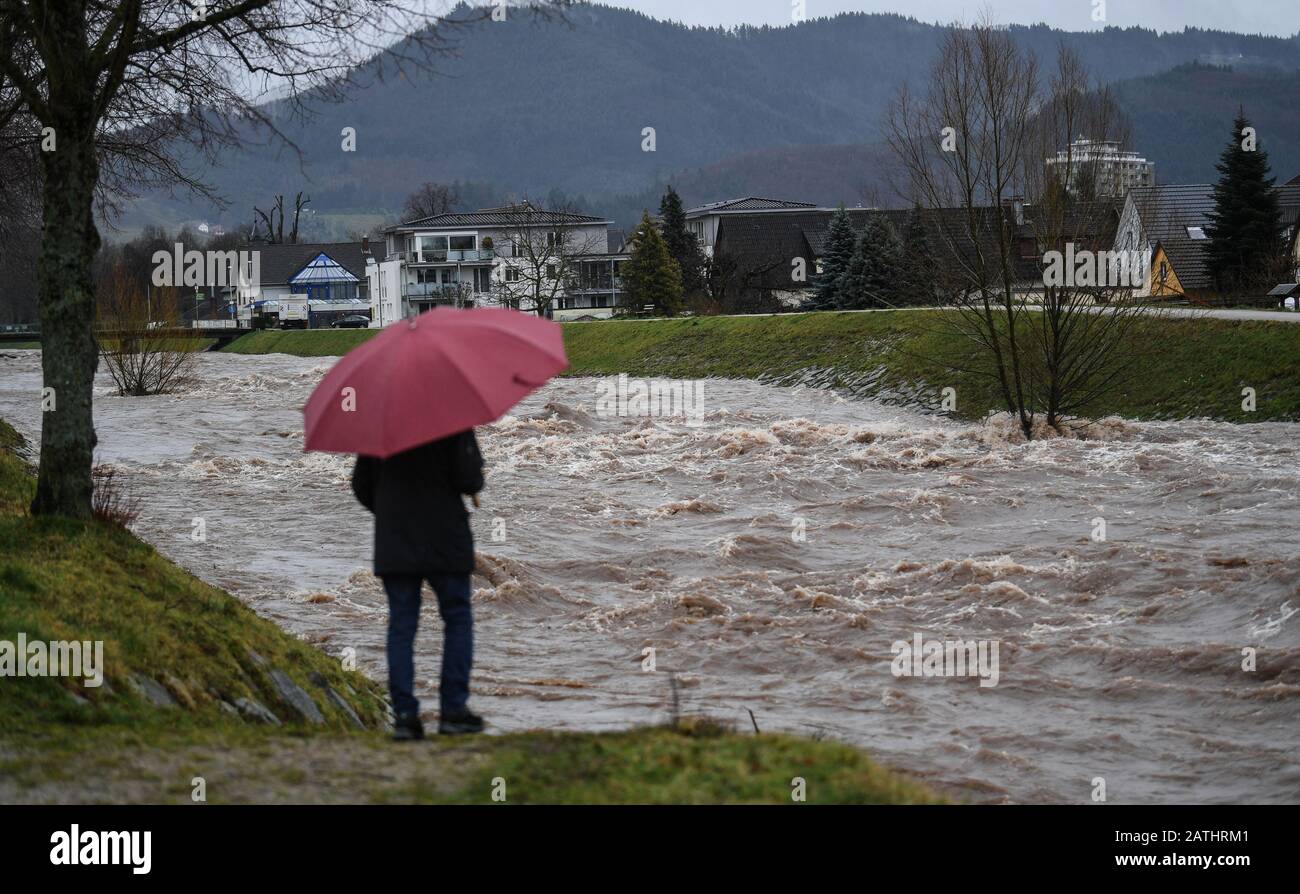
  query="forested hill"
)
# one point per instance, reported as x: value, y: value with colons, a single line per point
x: 531, y: 108
x: 1183, y: 118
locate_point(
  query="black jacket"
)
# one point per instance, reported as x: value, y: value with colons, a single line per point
x: 421, y: 524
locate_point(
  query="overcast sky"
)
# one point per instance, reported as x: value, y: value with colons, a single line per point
x: 1277, y: 17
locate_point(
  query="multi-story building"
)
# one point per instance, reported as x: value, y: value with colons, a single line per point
x: 516, y: 256
x: 1113, y: 172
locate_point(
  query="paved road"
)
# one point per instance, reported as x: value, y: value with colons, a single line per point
x: 1274, y: 316
x: 1271, y: 316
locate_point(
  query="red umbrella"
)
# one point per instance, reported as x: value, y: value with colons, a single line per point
x: 431, y: 376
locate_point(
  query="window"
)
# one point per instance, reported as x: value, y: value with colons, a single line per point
x: 462, y: 243
x: 554, y: 238
x: 512, y: 274
x: 551, y: 272
x: 1196, y: 233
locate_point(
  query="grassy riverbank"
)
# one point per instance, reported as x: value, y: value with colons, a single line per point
x: 197, y: 685
x: 1184, y: 367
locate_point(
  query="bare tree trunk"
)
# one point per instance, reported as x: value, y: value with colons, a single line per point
x: 69, y: 241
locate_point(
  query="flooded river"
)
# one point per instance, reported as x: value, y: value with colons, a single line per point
x: 772, y: 555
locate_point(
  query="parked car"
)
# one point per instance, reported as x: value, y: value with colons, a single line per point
x: 351, y: 321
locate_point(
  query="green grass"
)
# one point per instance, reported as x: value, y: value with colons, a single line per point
x: 62, y: 741
x: 695, y: 764
x: 1185, y: 368
x: 67, y: 580
x: 20, y: 345
x: 300, y: 342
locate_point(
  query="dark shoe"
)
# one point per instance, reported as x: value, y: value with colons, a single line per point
x: 408, y: 728
x: 460, y: 724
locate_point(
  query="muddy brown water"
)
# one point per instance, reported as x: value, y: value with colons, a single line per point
x: 603, y: 537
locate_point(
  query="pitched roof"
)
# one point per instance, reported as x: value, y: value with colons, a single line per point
x: 279, y: 263
x: 523, y: 214
x: 770, y: 240
x: 322, y: 269
x: 1170, y: 214
x: 749, y: 203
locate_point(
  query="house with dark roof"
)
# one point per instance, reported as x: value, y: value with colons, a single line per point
x: 703, y: 222
x: 773, y: 255
x: 306, y: 285
x: 1172, y: 221
x: 512, y: 255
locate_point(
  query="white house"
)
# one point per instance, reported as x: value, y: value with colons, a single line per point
x: 496, y: 257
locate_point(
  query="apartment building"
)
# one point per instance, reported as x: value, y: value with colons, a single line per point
x: 518, y: 256
x: 1112, y: 171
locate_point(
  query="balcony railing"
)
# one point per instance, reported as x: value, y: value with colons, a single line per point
x: 596, y: 284
x: 453, y: 256
x: 437, y: 291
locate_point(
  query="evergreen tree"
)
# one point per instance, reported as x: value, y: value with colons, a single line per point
x: 651, y: 276
x: 852, y: 293
x: 875, y: 270
x: 682, y: 244
x: 1245, y: 226
x: 917, y: 282
x: 840, y: 244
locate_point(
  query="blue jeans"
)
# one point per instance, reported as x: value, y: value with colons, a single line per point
x: 457, y: 644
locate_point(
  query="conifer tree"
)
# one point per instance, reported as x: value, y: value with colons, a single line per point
x: 841, y: 241
x: 874, y: 272
x: 917, y: 282
x: 682, y: 244
x: 1245, y: 226
x: 651, y: 276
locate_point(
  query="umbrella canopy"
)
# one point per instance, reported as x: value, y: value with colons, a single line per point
x: 431, y: 376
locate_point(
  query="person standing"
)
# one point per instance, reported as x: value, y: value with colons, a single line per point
x: 422, y: 534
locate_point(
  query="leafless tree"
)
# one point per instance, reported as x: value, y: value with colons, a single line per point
x: 139, y: 344
x: 20, y: 218
x: 973, y: 150
x: 430, y: 200
x: 118, y: 88
x: 1083, y: 334
x: 273, y: 221
x: 542, y: 249
x: 743, y: 284
x: 963, y: 147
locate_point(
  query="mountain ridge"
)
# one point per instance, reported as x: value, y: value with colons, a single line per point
x: 561, y: 109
